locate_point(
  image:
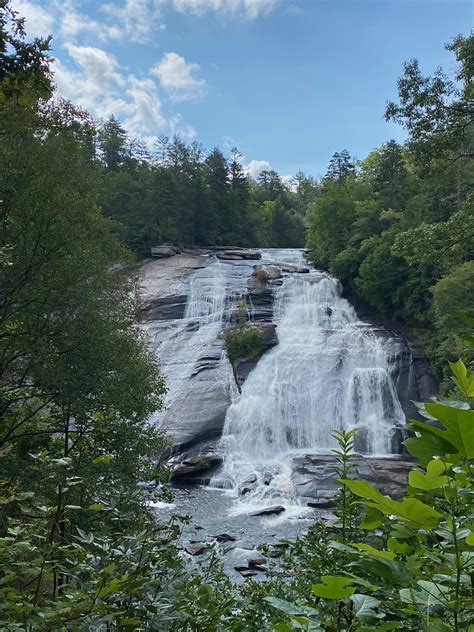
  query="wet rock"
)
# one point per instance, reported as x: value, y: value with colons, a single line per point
x: 244, y: 366
x: 291, y: 268
x: 266, y: 273
x: 258, y: 563
x: 196, y: 465
x: 236, y: 255
x: 169, y: 308
x: 225, y: 537
x: 196, y: 548
x: 269, y: 511
x: 321, y: 503
x: 164, y: 251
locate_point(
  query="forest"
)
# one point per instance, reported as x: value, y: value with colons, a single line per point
x: 80, y: 548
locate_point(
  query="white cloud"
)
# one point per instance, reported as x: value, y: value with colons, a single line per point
x: 250, y: 9
x: 39, y: 22
x: 255, y: 167
x: 137, y: 18
x: 104, y: 88
x: 74, y: 24
x: 289, y: 181
x: 178, y: 79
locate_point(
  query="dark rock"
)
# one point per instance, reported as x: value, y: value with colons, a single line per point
x: 259, y: 563
x: 168, y: 308
x: 235, y: 255
x: 244, y: 366
x: 193, y: 466
x: 225, y: 537
x: 269, y: 511
x: 195, y: 548
x: 164, y: 251
x: 321, y: 503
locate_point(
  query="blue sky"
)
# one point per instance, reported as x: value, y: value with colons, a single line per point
x: 287, y: 81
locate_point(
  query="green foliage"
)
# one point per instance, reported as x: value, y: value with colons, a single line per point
x: 243, y: 341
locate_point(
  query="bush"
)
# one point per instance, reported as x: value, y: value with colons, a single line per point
x: 242, y: 342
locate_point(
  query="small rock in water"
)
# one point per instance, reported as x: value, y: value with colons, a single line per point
x: 225, y: 537
x: 196, y: 548
x: 321, y: 503
x: 258, y: 563
x: 268, y: 511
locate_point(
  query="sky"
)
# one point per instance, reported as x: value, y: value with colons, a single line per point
x: 288, y: 82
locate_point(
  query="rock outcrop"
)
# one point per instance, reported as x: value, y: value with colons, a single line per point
x: 236, y: 255
x: 244, y: 366
x: 160, y: 252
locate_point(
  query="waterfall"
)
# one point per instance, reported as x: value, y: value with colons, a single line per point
x: 329, y: 371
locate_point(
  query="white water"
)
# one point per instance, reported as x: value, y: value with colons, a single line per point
x: 329, y: 371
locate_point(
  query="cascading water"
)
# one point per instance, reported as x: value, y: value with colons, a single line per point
x: 329, y: 371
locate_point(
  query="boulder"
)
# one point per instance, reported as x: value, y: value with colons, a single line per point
x: 195, y: 466
x: 225, y: 537
x: 269, y: 511
x: 236, y: 255
x: 197, y: 548
x: 160, y: 252
x: 266, y: 273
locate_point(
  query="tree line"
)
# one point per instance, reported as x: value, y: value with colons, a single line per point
x: 181, y: 194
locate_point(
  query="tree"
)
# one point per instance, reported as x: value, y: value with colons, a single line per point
x: 341, y: 166
x: 453, y: 295
x: 113, y: 144
x: 24, y: 65
x: 437, y: 112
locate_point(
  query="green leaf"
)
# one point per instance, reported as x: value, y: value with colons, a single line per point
x: 430, y: 595
x: 373, y: 519
x: 432, y: 479
x: 463, y: 378
x: 365, y: 607
x: 291, y: 608
x: 459, y: 427
x: 427, y: 445
x: 390, y: 570
x: 411, y: 510
x: 333, y: 587
x: 371, y: 550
